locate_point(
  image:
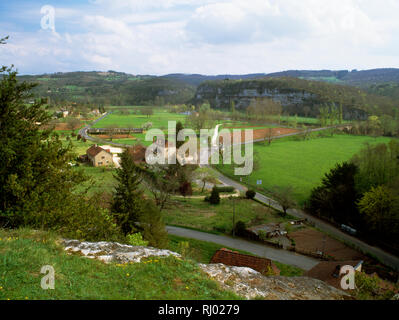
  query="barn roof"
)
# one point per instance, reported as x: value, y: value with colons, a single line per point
x: 95, y: 150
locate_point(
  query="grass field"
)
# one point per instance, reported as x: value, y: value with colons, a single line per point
x: 25, y: 252
x: 301, y: 164
x: 198, y: 214
x: 159, y: 119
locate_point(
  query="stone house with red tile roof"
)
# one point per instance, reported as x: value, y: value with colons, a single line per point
x: 99, y: 157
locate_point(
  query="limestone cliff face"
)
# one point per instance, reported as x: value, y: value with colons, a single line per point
x: 245, y: 282
x: 293, y: 99
x: 221, y: 97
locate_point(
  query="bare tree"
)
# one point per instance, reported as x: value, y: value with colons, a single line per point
x: 72, y: 123
x: 159, y: 183
x: 205, y: 175
x: 284, y: 196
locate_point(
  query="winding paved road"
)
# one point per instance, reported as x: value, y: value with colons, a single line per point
x: 283, y: 256
x: 385, y: 257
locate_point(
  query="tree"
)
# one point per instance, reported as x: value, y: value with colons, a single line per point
x: 186, y: 189
x: 284, y: 196
x: 72, y: 123
x: 203, y: 119
x: 376, y: 206
x: 34, y: 175
x: 148, y: 111
x: 159, y: 182
x: 127, y: 203
x: 250, y: 194
x: 205, y: 175
x: 378, y: 165
x: 336, y: 197
x: 152, y: 226
x: 269, y: 136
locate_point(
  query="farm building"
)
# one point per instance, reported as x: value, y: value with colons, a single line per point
x: 233, y: 258
x: 99, y: 157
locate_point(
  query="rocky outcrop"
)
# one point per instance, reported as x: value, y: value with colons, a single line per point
x: 114, y: 252
x: 245, y: 282
x: 251, y: 284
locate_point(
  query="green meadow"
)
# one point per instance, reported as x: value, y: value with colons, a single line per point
x: 300, y: 164
x: 159, y: 119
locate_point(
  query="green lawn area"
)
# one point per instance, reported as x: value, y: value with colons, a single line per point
x: 301, y: 164
x: 102, y: 179
x: 198, y: 214
x: 159, y: 119
x: 25, y: 252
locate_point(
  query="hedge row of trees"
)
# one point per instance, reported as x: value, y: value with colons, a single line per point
x: 363, y: 193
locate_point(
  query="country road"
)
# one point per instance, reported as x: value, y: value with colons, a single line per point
x: 385, y: 257
x: 283, y: 256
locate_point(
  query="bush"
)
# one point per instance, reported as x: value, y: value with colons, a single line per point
x: 215, y: 197
x: 250, y: 194
x: 225, y: 189
x: 136, y: 239
x: 240, y: 228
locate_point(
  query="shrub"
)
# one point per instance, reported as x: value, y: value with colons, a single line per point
x: 225, y: 189
x: 262, y: 234
x: 240, y: 228
x: 250, y: 194
x: 136, y: 239
x: 215, y: 197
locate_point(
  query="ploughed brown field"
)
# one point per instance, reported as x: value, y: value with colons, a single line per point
x: 65, y: 127
x: 312, y: 241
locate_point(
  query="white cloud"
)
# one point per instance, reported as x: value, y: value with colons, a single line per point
x: 211, y: 37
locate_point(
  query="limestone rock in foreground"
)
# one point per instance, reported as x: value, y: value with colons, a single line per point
x: 115, y: 252
x: 251, y: 284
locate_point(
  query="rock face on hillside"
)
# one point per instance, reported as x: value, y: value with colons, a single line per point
x: 114, y: 252
x: 251, y: 284
x: 293, y: 95
x: 245, y: 282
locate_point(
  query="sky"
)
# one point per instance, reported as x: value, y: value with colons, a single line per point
x: 199, y: 36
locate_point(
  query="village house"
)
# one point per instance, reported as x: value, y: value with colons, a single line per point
x: 99, y: 157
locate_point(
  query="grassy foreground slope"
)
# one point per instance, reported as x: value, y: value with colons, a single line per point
x: 24, y: 252
x: 301, y: 164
